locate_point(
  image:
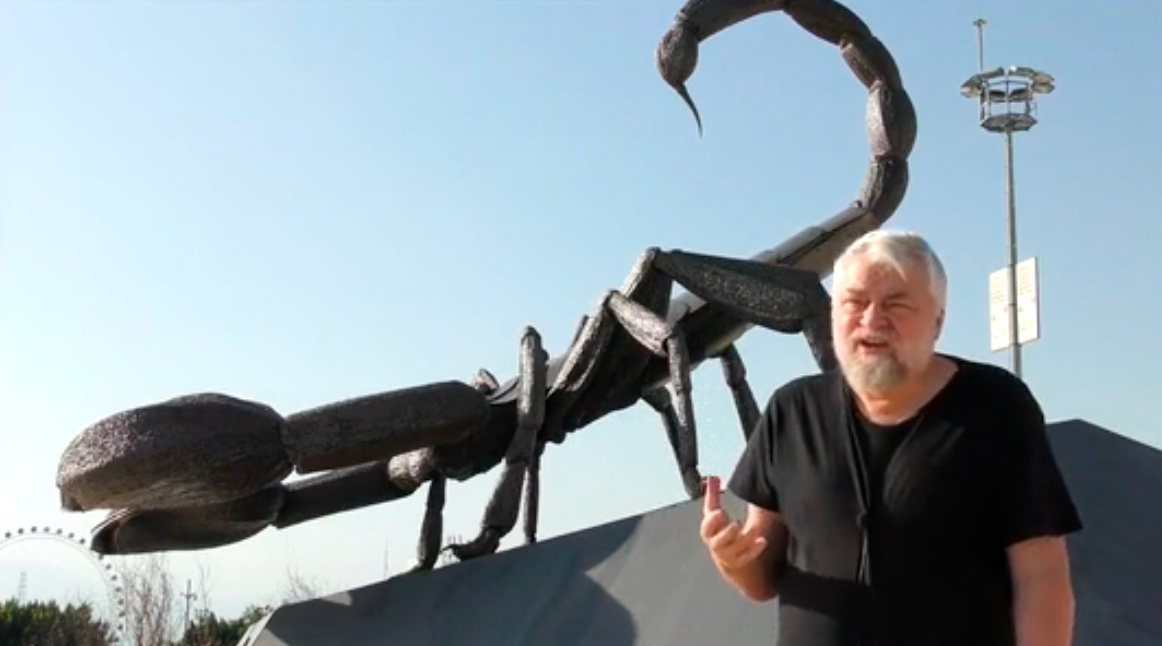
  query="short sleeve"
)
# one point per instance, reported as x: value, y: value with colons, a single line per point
x: 753, y: 478
x: 1034, y: 498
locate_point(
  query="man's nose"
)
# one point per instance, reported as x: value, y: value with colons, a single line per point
x: 874, y: 316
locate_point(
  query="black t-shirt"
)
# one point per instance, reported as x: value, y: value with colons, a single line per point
x: 897, y: 536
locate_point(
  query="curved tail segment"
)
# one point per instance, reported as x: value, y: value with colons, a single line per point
x: 891, y: 117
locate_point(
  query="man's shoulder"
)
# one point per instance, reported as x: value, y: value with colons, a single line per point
x: 820, y: 387
x: 804, y: 410
x: 990, y: 379
x: 1005, y: 393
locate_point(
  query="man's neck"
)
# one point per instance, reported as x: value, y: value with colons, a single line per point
x: 901, y: 402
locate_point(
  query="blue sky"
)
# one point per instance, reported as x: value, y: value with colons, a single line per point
x: 300, y: 202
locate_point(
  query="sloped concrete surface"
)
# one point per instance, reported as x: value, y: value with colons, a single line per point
x: 1117, y: 559
x: 639, y: 581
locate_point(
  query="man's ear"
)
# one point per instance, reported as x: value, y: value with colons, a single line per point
x: 939, y: 323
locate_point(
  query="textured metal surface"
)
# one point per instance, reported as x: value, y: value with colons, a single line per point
x: 638, y: 344
x: 191, y: 450
x: 646, y: 581
x: 337, y: 435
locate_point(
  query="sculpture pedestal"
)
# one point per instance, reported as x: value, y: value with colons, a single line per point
x: 643, y: 580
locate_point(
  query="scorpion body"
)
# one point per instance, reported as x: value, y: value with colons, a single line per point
x: 206, y: 470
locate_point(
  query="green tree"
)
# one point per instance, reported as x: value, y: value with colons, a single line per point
x: 46, y: 623
x: 208, y: 629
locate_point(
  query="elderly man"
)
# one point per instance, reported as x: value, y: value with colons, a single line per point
x: 909, y: 499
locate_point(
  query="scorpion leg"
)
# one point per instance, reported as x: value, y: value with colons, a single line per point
x: 778, y: 297
x: 601, y: 359
x: 734, y: 371
x: 665, y: 340
x: 432, y: 528
x: 659, y: 399
x: 618, y: 341
x: 533, y: 495
x: 503, y: 508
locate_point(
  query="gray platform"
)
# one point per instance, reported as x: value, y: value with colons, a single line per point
x: 646, y: 581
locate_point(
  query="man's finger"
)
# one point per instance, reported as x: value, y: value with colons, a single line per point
x: 713, y: 523
x: 753, y: 549
x: 742, y: 543
x: 751, y: 534
x: 711, y: 500
x: 741, y: 552
x: 722, y: 539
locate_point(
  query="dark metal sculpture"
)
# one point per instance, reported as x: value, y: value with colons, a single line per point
x: 206, y: 470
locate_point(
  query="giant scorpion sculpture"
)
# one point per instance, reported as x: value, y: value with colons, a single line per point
x: 206, y: 470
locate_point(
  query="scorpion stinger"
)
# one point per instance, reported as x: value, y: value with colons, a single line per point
x: 200, y: 471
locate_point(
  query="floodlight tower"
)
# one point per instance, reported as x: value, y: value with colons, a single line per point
x: 1008, y: 104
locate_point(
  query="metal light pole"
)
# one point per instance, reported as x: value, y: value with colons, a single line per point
x: 189, y: 597
x: 1008, y: 104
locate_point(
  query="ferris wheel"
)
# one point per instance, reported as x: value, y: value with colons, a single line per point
x: 113, y: 588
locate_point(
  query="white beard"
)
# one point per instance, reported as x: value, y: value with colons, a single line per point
x: 871, y: 373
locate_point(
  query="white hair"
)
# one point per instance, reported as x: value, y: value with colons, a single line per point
x: 895, y: 249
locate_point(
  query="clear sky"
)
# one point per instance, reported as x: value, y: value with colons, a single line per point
x: 300, y: 202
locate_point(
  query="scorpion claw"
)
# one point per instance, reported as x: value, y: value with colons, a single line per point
x: 137, y: 531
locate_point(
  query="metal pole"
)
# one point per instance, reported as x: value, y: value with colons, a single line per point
x: 979, y: 23
x: 189, y: 595
x: 991, y: 88
x: 1011, y: 223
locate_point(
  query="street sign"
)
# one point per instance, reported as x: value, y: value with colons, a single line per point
x: 1028, y: 307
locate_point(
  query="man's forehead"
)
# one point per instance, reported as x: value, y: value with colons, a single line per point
x: 863, y: 275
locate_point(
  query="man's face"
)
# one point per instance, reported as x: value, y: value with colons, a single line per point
x: 884, y: 324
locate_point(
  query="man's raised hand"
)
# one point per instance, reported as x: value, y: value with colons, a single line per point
x: 731, y: 545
